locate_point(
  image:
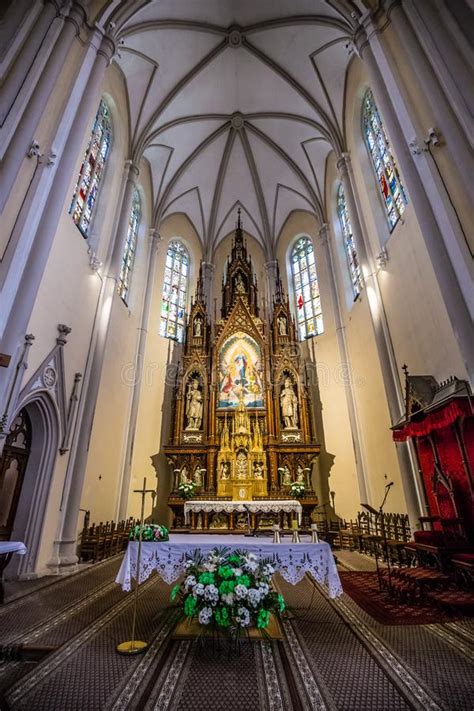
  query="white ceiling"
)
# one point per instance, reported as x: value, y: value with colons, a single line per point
x: 236, y: 102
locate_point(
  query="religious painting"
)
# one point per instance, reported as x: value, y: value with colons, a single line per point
x: 240, y: 372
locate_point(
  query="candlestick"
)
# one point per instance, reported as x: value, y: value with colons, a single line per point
x: 314, y: 533
x: 135, y: 646
x: 276, y: 533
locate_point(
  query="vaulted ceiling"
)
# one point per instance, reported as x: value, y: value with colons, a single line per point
x: 236, y: 102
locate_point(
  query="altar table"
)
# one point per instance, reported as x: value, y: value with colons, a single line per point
x: 7, y: 549
x: 291, y: 560
x: 252, y: 506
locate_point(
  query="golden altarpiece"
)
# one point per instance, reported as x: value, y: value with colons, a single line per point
x: 241, y: 422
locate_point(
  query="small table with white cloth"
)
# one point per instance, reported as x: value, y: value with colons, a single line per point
x: 7, y: 549
x: 291, y: 560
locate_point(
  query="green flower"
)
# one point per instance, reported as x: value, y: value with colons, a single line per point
x: 222, y: 617
x: 281, y: 603
x: 174, y: 592
x: 226, y: 587
x: 206, y: 578
x: 225, y: 571
x: 243, y: 580
x: 263, y: 619
x: 190, y: 605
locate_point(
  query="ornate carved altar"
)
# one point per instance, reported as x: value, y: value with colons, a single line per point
x: 241, y: 422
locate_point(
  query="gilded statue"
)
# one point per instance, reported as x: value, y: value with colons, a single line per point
x: 194, y: 405
x: 289, y: 405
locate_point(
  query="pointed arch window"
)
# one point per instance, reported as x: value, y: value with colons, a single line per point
x: 349, y: 245
x: 128, y: 256
x: 306, y: 289
x: 92, y: 169
x: 173, y: 301
x: 393, y: 193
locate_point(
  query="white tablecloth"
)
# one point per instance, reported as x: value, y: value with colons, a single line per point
x: 291, y: 560
x: 12, y: 547
x: 267, y: 506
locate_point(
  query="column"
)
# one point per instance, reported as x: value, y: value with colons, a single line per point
x: 453, y: 136
x: 78, y: 461
x: 25, y: 297
x: 271, y: 270
x: 208, y: 270
x: 412, y: 486
x: 360, y: 460
x: 21, y: 65
x: 24, y: 132
x: 454, y: 300
x: 155, y: 240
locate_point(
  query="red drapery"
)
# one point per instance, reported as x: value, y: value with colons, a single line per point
x: 443, y: 417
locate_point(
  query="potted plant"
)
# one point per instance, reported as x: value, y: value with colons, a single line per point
x: 186, y: 489
x: 297, y: 489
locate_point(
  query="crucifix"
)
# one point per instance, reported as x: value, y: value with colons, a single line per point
x: 135, y: 646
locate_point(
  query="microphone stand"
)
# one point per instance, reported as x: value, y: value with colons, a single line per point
x: 384, y: 539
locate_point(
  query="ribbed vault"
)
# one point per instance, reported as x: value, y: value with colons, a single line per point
x: 235, y: 103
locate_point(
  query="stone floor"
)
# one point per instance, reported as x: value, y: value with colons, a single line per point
x: 333, y: 655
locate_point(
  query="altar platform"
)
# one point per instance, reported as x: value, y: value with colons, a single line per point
x: 291, y: 560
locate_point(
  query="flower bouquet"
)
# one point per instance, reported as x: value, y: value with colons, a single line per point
x: 228, y: 592
x: 297, y: 489
x: 150, y: 532
x: 186, y: 489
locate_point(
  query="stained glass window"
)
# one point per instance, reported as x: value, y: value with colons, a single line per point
x: 393, y: 192
x: 349, y: 245
x: 173, y: 301
x: 92, y: 169
x: 306, y: 289
x: 128, y: 256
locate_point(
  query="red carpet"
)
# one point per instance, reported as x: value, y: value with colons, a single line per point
x: 363, y: 588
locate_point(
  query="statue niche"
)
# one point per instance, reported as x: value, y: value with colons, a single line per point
x: 194, y: 402
x: 289, y: 405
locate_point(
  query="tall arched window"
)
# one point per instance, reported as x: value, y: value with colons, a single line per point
x: 305, y: 285
x: 173, y: 301
x: 128, y: 256
x: 393, y: 192
x: 349, y: 245
x: 92, y: 169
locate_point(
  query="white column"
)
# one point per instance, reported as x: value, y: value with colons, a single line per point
x: 271, y: 271
x: 442, y: 260
x: 359, y: 456
x: 412, y: 485
x: 21, y: 65
x: 155, y: 240
x: 24, y: 132
x: 79, y: 453
x: 25, y: 297
x: 208, y: 270
x: 454, y: 139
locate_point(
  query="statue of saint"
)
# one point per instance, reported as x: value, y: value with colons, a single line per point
x: 258, y: 470
x: 281, y: 323
x: 286, y: 477
x: 224, y: 470
x: 183, y: 476
x: 240, y: 284
x: 300, y: 474
x: 197, y: 326
x: 194, y: 405
x: 198, y: 476
x: 289, y: 405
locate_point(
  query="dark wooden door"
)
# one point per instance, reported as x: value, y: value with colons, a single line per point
x: 12, y: 471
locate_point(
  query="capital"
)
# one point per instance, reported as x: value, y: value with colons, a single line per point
x: 132, y: 169
x: 343, y: 162
x: 63, y: 331
x: 155, y: 237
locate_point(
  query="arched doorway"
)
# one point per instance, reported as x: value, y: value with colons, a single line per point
x: 13, y: 466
